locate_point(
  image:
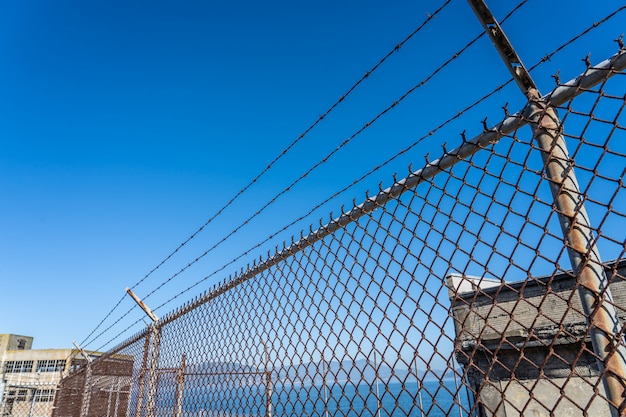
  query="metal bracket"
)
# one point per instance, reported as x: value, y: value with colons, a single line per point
x: 503, y: 46
x: 143, y: 306
x: 85, y: 355
x: 595, y: 295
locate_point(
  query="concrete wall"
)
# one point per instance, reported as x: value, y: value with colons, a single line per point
x: 524, y: 345
x: 30, y: 393
x: 14, y: 342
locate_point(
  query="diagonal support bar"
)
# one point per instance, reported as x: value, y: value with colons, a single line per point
x: 143, y: 306
x: 503, y: 46
x: 593, y: 284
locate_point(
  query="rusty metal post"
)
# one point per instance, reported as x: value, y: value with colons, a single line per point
x: 84, y: 410
x: 593, y: 287
x: 142, y: 374
x: 32, y: 402
x: 324, y: 375
x: 118, y: 390
x: 155, y: 349
x: 110, y: 399
x: 419, y: 389
x: 593, y: 284
x: 180, y: 387
x: 153, y: 380
x: 268, y: 393
x: 378, y: 403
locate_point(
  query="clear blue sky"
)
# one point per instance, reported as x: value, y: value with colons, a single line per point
x: 124, y: 126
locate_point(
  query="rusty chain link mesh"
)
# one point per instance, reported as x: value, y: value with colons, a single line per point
x: 456, y: 297
x: 28, y: 398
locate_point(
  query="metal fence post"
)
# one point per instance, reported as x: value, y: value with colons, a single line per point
x: 153, y: 380
x: 593, y: 284
x: 155, y: 330
x: 87, y: 388
x: 110, y: 399
x: 3, y: 384
x: 593, y: 287
x: 142, y: 374
x: 117, y: 396
x: 84, y: 410
x: 32, y: 403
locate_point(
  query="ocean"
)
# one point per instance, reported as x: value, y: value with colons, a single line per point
x: 433, y: 399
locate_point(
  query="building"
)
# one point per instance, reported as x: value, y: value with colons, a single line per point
x: 99, y: 389
x: 29, y: 377
x: 524, y: 346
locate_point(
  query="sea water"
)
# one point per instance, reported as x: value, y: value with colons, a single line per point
x: 432, y: 399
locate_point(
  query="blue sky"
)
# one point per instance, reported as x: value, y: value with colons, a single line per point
x: 124, y: 126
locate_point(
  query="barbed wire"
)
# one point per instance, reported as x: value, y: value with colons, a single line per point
x: 340, y: 192
x: 367, y: 74
x: 83, y: 342
x: 595, y: 25
x: 423, y: 82
x: 204, y: 279
x: 360, y: 179
x: 299, y: 138
x: 392, y: 158
x: 118, y: 335
x: 319, y: 163
x: 112, y: 324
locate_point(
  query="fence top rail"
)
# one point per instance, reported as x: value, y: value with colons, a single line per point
x: 561, y: 94
x: 592, y: 76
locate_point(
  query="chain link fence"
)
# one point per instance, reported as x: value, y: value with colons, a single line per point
x: 28, y: 385
x: 456, y: 291
x: 28, y: 399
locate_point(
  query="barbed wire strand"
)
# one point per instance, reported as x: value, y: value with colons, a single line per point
x: 340, y: 192
x: 549, y: 56
x: 112, y: 324
x: 546, y: 58
x: 117, y: 336
x: 392, y: 158
x: 318, y: 206
x: 318, y: 164
x: 328, y: 156
x: 394, y: 104
x: 103, y: 320
x: 367, y: 74
x: 299, y: 138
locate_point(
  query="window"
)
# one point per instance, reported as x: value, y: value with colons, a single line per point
x: 44, y: 395
x: 51, y: 365
x: 19, y: 395
x: 21, y: 344
x: 22, y: 395
x: 18, y: 367
x: 76, y: 364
